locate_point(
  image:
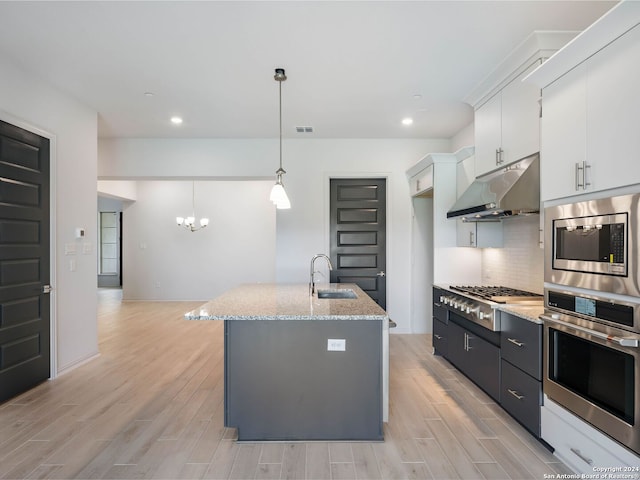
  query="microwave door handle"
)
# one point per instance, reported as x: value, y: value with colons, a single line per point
x: 622, y: 341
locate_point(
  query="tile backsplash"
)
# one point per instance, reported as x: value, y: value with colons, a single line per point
x: 520, y: 263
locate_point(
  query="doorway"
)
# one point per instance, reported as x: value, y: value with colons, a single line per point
x: 25, y: 330
x: 358, y: 234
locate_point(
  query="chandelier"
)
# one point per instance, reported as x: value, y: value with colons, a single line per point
x: 278, y: 195
x: 190, y: 222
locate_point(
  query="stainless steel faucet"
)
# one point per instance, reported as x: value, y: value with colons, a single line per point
x: 312, y: 283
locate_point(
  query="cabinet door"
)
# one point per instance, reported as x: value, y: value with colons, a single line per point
x: 521, y: 396
x: 465, y: 234
x: 422, y: 182
x: 520, y: 118
x: 613, y: 103
x: 483, y: 365
x: 456, y: 346
x: 479, y: 234
x: 563, y: 134
x: 521, y: 343
x: 440, y: 340
x: 488, y: 134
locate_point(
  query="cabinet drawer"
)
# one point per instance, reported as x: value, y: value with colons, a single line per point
x: 521, y: 343
x: 579, y: 445
x: 521, y: 396
x: 440, y: 340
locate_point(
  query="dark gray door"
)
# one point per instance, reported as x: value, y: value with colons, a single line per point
x: 24, y: 260
x: 358, y: 234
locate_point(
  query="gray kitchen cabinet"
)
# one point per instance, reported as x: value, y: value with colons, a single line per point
x: 521, y: 396
x: 474, y: 355
x: 521, y: 373
x: 440, y: 327
x: 521, y: 343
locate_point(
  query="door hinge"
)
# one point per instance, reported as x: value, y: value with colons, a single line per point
x: 46, y: 289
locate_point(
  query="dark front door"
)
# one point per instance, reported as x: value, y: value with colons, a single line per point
x: 24, y: 260
x: 358, y: 234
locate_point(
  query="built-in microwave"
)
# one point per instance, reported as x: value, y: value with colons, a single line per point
x: 594, y: 244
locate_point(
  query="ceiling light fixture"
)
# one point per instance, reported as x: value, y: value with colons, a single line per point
x: 278, y: 195
x: 176, y: 120
x: 190, y: 222
x: 407, y: 121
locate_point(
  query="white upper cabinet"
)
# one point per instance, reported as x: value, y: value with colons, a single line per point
x: 488, y: 134
x: 590, y: 102
x: 520, y: 118
x: 613, y: 103
x: 507, y: 126
x: 507, y: 110
x: 564, y: 136
x: 590, y: 140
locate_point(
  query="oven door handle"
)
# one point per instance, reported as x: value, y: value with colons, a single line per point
x: 622, y: 341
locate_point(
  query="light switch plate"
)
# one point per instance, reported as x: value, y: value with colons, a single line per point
x: 336, y: 344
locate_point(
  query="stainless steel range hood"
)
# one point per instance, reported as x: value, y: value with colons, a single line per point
x: 511, y: 190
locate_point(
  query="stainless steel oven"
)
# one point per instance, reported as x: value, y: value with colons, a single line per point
x: 594, y: 244
x: 591, y: 361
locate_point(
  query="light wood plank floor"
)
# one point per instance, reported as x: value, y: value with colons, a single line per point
x: 151, y: 406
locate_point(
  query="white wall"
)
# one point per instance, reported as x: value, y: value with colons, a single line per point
x: 122, y: 189
x: 520, y: 263
x: 165, y: 262
x: 464, y: 138
x: 30, y: 103
x: 303, y: 230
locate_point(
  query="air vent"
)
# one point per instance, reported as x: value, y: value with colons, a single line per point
x: 304, y: 129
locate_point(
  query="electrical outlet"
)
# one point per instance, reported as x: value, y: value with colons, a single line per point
x: 336, y: 344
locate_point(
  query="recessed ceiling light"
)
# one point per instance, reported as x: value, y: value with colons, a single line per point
x: 417, y: 96
x: 407, y: 121
x: 176, y: 120
x: 148, y: 94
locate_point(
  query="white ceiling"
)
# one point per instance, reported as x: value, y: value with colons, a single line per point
x: 354, y: 68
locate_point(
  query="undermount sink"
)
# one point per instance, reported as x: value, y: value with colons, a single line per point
x: 337, y: 293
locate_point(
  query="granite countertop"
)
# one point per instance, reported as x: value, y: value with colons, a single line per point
x: 528, y: 312
x: 269, y: 301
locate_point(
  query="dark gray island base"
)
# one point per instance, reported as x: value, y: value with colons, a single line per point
x: 299, y: 368
x: 281, y: 383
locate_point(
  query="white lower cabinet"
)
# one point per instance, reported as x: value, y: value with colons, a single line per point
x: 580, y: 446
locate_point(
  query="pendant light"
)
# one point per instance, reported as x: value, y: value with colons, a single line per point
x: 278, y: 195
x: 190, y: 222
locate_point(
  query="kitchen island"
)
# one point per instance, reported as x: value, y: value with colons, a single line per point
x: 299, y: 367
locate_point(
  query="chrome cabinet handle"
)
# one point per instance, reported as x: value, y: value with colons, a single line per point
x: 471, y: 241
x: 581, y: 171
x: 516, y: 342
x: 515, y: 394
x: 438, y: 337
x: 579, y: 454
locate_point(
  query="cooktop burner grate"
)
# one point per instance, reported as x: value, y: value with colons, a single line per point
x: 488, y: 292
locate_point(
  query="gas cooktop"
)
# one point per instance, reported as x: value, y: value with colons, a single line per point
x: 498, y: 294
x: 478, y: 303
